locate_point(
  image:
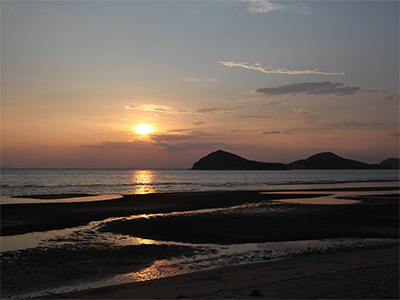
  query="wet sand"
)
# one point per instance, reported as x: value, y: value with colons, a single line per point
x: 24, y: 218
x: 373, y: 217
x: 360, y: 274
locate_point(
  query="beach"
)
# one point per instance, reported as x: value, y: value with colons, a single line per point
x: 362, y: 274
x: 190, y: 222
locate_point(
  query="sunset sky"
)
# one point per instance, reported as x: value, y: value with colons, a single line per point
x: 269, y: 81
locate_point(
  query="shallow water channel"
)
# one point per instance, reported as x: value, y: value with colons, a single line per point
x: 217, y: 255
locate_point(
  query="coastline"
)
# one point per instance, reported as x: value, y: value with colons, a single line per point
x: 375, y: 216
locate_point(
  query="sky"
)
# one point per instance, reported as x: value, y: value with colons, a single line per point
x: 269, y: 81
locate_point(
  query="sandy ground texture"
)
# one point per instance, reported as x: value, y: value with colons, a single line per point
x: 374, y: 274
x: 359, y: 274
x: 24, y: 218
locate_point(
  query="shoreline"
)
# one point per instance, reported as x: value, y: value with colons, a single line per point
x: 357, y: 274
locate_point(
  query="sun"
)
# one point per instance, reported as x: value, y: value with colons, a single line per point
x: 144, y: 129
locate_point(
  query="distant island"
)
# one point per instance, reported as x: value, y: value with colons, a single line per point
x: 331, y: 161
x: 393, y: 162
x: 222, y: 160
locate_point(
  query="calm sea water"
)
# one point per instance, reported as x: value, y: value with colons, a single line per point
x: 59, y: 181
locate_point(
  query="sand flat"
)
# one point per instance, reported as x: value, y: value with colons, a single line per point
x: 359, y: 274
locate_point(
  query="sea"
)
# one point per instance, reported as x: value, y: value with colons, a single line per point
x: 23, y: 182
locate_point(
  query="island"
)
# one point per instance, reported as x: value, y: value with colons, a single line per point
x: 331, y: 161
x: 222, y: 160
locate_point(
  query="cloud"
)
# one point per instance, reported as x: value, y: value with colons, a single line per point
x: 255, y: 117
x: 265, y: 6
x: 340, y: 125
x: 199, y: 79
x: 175, y: 136
x: 7, y: 7
x: 189, y: 146
x: 396, y: 134
x: 277, y: 132
x: 352, y: 125
x: 151, y: 108
x: 271, y: 70
x: 170, y: 137
x: 207, y: 110
x: 179, y: 130
x: 320, y: 89
x: 387, y: 96
x: 130, y: 145
x: 170, y: 142
x: 198, y: 123
x: 310, y: 88
x: 305, y: 115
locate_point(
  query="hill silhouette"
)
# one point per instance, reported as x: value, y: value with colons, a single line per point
x: 331, y: 161
x: 393, y: 162
x: 222, y: 160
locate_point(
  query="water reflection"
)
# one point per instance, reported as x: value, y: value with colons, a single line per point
x: 142, y: 181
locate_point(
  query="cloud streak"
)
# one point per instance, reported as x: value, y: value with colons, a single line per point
x: 127, y: 145
x: 265, y: 6
x: 271, y: 70
x: 150, y: 107
x: 321, y: 89
x: 309, y: 88
x: 190, y: 79
x: 277, y: 132
x: 212, y: 110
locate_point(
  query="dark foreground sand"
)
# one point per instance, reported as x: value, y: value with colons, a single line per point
x: 368, y: 273
x: 360, y: 274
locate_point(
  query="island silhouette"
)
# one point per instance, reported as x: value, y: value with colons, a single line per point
x: 222, y: 160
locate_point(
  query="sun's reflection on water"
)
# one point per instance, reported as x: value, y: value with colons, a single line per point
x: 142, y: 181
x: 159, y: 269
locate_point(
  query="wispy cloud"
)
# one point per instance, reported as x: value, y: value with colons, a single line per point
x: 348, y: 125
x: 353, y: 125
x: 179, y: 130
x: 322, y: 88
x: 155, y: 108
x: 128, y: 145
x: 176, y: 135
x: 7, y: 7
x: 190, y: 79
x: 265, y: 6
x: 309, y: 88
x: 210, y: 110
x: 277, y: 132
x: 199, y: 123
x: 255, y: 117
x: 190, y: 146
x: 272, y: 70
x: 173, y: 140
x: 150, y: 107
x: 387, y: 96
